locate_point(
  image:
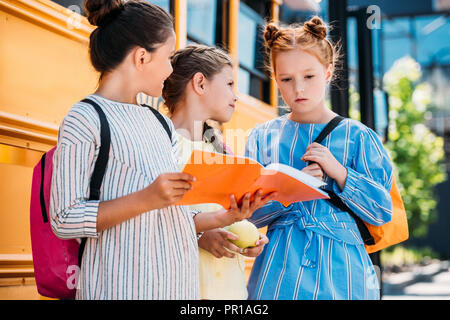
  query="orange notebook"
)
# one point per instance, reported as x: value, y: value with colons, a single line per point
x: 218, y: 176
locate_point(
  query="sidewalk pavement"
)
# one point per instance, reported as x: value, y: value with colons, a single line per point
x: 421, y: 283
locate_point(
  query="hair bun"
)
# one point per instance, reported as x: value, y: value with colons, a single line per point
x: 316, y: 27
x: 101, y: 12
x: 271, y: 33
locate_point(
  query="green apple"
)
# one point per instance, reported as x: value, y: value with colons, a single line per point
x: 246, y: 231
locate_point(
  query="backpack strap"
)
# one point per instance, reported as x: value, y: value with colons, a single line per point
x: 41, y: 190
x: 103, y: 154
x: 335, y: 200
x: 329, y: 127
x: 326, y: 131
x: 100, y: 164
x: 161, y: 119
x: 363, y: 230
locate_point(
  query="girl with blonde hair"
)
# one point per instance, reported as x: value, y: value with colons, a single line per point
x: 201, y: 89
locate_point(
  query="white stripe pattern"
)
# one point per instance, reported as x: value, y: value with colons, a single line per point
x: 315, y: 250
x: 152, y: 256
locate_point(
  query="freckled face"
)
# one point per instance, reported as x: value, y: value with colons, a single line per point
x: 302, y: 79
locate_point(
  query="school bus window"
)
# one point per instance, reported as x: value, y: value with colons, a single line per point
x: 78, y: 5
x: 165, y: 4
x: 252, y: 78
x: 74, y: 5
x: 201, y: 21
x: 301, y: 11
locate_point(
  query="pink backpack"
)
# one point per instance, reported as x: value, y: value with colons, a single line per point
x: 56, y: 261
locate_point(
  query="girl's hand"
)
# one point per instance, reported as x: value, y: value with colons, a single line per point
x: 322, y: 156
x: 236, y: 213
x: 314, y: 170
x: 256, y: 251
x: 216, y: 242
x: 167, y: 189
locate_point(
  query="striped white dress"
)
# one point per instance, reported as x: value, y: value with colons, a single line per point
x: 152, y: 256
x: 315, y: 250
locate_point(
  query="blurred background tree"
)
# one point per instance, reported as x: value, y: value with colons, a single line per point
x: 415, y: 150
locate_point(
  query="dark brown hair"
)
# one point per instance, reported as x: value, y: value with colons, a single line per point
x: 122, y: 26
x: 186, y: 63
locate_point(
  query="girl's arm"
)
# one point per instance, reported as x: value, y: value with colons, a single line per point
x: 218, y: 219
x: 365, y: 186
x: 267, y: 213
x: 217, y: 242
x: 166, y: 190
x: 71, y: 214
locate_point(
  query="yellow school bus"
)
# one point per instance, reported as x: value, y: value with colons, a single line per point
x: 45, y: 69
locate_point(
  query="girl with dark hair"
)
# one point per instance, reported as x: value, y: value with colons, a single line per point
x: 201, y: 88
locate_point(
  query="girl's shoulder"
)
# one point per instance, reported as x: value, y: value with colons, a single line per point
x: 359, y: 130
x: 81, y: 122
x: 169, y: 122
x: 275, y: 123
x: 355, y: 129
x: 84, y: 110
x: 355, y: 124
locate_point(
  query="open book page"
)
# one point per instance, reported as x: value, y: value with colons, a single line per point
x: 296, y: 174
x: 218, y: 176
x: 291, y: 184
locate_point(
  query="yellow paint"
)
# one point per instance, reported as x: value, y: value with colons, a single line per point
x: 233, y: 37
x: 275, y: 18
x: 44, y: 71
x: 180, y: 23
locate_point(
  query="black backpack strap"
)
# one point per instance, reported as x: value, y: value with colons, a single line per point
x: 161, y: 119
x: 334, y: 199
x: 326, y: 131
x: 103, y: 154
x: 41, y: 190
x: 100, y: 164
x: 329, y: 127
x: 363, y: 230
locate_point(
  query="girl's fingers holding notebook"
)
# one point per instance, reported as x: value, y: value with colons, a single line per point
x: 180, y: 176
x: 245, y: 207
x: 314, y: 170
x: 262, y: 200
x: 233, y: 203
x: 313, y: 166
x: 180, y: 184
x: 256, y: 199
x: 269, y: 196
x: 167, y: 189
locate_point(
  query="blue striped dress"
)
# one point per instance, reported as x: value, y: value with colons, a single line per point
x: 315, y: 250
x: 151, y: 256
